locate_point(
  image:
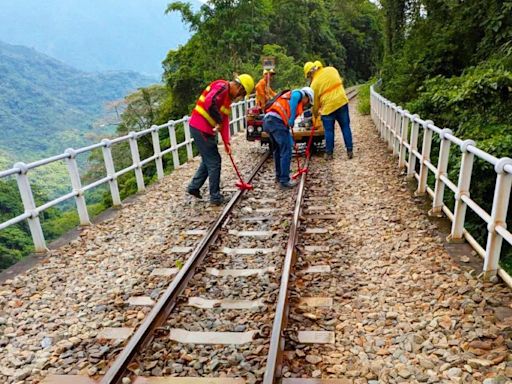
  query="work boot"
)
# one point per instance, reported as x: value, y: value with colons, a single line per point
x: 288, y: 185
x: 195, y: 193
x: 350, y: 154
x: 328, y: 156
x: 217, y: 201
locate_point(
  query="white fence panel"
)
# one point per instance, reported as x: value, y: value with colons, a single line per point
x: 393, y: 122
x: 21, y: 170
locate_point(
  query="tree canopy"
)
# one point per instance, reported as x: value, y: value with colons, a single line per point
x: 232, y: 36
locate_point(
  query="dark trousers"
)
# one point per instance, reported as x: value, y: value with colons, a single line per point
x: 210, y: 163
x: 342, y: 117
x: 282, y: 146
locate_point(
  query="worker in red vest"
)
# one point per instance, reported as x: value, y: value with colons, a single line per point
x: 278, y: 118
x: 211, y: 114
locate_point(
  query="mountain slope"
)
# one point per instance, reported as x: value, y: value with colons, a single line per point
x: 47, y: 106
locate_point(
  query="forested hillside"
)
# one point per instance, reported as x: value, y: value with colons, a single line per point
x: 47, y: 106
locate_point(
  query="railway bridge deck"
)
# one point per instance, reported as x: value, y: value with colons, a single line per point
x: 406, y: 306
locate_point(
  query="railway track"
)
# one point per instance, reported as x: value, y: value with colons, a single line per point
x: 309, y: 307
x: 224, y: 316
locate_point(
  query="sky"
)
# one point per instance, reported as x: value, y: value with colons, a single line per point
x: 95, y: 35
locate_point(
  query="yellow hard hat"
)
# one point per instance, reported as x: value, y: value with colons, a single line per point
x: 247, y: 82
x: 308, y: 67
x: 265, y: 71
x: 318, y: 64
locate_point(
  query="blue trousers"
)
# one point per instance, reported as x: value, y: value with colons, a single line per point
x: 210, y: 163
x: 341, y: 116
x: 282, y: 146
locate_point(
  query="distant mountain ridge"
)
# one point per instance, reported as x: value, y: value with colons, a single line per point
x: 95, y: 35
x: 47, y: 106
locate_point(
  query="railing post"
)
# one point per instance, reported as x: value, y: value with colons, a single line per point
x: 404, y: 134
x: 155, y: 137
x: 411, y: 163
x: 233, y: 122
x: 384, y: 120
x: 378, y: 115
x: 378, y: 112
x: 397, y: 130
x: 442, y: 168
x: 243, y: 110
x: 372, y: 107
x: 391, y: 125
x: 29, y: 205
x: 76, y: 184
x: 237, y: 114
x: 174, y: 144
x: 111, y: 172
x: 188, y: 138
x: 245, y: 107
x: 498, y: 218
x: 241, y: 115
x: 425, y: 156
x: 134, y: 148
x: 459, y: 216
x: 382, y: 117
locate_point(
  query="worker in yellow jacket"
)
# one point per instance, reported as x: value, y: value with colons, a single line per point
x: 331, y: 102
x: 264, y: 91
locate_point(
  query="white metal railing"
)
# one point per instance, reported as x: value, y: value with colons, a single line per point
x: 22, y: 171
x: 401, y: 131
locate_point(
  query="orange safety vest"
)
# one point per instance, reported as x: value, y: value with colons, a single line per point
x: 200, y: 107
x: 282, y: 107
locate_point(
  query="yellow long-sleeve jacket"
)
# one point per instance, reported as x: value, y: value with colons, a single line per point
x: 329, y: 92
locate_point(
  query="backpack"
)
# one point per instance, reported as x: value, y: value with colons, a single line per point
x: 269, y: 103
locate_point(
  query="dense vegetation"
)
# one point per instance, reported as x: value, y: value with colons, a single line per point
x: 451, y: 61
x: 232, y: 36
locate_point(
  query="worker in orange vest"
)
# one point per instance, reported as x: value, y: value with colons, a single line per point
x: 279, y: 117
x: 264, y: 91
x: 211, y: 114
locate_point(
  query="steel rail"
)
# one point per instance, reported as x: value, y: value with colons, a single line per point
x: 275, y: 353
x: 166, y: 303
x: 277, y: 341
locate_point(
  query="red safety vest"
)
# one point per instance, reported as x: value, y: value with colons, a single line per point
x: 282, y: 107
x: 200, y: 107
